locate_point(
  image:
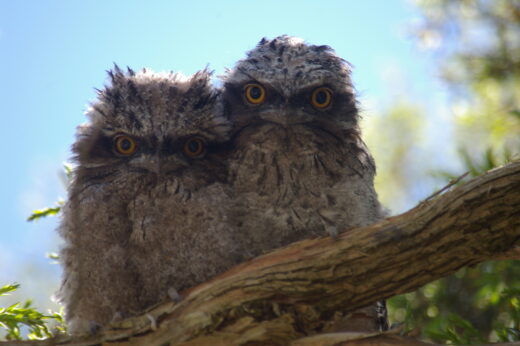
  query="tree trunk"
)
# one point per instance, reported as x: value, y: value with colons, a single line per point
x: 291, y: 296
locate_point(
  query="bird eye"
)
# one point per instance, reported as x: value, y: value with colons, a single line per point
x: 321, y: 98
x: 124, y: 145
x: 194, y: 148
x: 255, y: 93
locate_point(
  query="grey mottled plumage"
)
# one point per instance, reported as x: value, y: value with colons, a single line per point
x: 145, y: 207
x: 299, y: 167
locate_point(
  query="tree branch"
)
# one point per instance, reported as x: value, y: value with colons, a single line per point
x: 292, y: 293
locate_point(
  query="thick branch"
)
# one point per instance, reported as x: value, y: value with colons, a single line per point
x: 288, y: 294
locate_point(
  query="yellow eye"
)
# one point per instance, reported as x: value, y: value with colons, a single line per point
x: 194, y: 147
x: 255, y: 93
x: 124, y: 145
x: 321, y: 98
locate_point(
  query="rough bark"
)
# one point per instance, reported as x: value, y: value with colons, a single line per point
x: 286, y: 296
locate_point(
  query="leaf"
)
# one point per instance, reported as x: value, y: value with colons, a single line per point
x: 53, y: 256
x: 461, y: 326
x: 8, y: 288
x: 468, y: 162
x: 38, y: 214
x: 68, y: 170
x: 17, y: 315
x: 513, y: 334
x: 490, y: 160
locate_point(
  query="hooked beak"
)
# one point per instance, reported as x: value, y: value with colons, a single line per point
x: 152, y: 164
x: 285, y: 117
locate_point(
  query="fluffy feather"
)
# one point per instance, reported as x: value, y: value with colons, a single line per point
x: 297, y: 170
x: 136, y: 226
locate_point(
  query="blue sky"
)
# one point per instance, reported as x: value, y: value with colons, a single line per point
x: 54, y: 53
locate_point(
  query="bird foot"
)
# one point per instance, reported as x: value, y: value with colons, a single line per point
x: 174, y: 295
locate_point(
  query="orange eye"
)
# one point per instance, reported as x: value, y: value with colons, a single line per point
x: 255, y: 93
x: 321, y: 98
x: 194, y: 147
x: 124, y: 145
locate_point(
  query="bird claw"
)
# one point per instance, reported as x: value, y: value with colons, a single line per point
x: 332, y: 231
x: 94, y: 327
x: 153, y: 322
x: 174, y: 295
x: 118, y: 316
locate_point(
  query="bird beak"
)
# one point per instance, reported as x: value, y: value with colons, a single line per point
x: 150, y: 163
x: 284, y: 116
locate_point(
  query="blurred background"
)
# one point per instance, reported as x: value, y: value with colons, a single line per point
x: 438, y: 83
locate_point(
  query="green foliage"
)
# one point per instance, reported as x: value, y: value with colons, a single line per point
x: 68, y: 171
x: 476, y: 167
x: 389, y: 136
x: 41, y: 213
x: 457, y: 331
x: 479, y: 57
x: 473, y: 306
x: 478, y: 52
x: 17, y: 316
x: 53, y: 256
x: 50, y: 211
